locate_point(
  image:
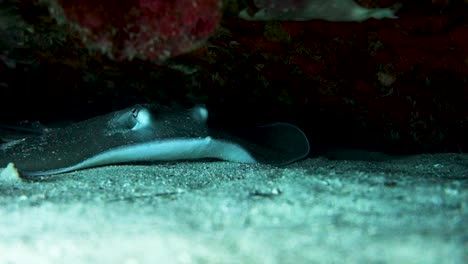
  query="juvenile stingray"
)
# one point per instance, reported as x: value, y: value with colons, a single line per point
x: 145, y: 134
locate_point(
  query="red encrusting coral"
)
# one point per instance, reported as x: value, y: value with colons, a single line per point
x: 144, y: 29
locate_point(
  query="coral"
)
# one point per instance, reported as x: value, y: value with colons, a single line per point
x: 144, y: 29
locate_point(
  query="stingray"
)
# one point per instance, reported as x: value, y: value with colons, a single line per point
x: 146, y: 133
x: 303, y: 10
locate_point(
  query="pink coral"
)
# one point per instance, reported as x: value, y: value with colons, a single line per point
x: 144, y: 29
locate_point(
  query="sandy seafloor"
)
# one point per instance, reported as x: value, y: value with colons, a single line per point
x: 407, y: 210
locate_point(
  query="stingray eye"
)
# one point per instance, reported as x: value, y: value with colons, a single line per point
x: 200, y: 114
x: 142, y: 118
x: 134, y: 113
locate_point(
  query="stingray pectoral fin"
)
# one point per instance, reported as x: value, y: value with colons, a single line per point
x: 159, y: 150
x: 275, y: 144
x: 230, y: 151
